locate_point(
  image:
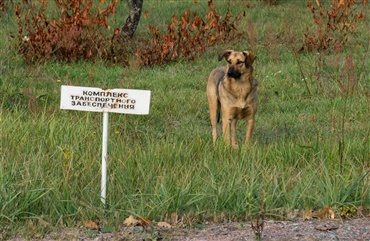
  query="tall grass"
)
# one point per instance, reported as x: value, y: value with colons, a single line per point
x: 165, y: 162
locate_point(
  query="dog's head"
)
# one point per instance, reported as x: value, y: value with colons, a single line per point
x: 238, y: 63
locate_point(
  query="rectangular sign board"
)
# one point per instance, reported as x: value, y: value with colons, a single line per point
x: 126, y: 101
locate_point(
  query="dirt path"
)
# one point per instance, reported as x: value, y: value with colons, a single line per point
x: 358, y: 229
x: 312, y: 230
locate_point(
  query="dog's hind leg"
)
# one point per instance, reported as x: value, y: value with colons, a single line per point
x: 218, y: 111
x: 214, y: 113
x: 214, y: 122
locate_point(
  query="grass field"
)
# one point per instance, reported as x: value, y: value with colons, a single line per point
x: 310, y: 148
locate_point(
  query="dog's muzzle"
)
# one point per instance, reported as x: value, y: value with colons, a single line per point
x: 232, y: 73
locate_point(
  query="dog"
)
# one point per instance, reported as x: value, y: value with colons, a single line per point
x: 232, y: 90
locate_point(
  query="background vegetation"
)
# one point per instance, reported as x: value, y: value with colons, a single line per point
x: 311, y: 145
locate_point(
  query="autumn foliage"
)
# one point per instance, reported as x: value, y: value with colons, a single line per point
x: 188, y: 36
x: 79, y: 32
x: 76, y: 34
x: 332, y: 25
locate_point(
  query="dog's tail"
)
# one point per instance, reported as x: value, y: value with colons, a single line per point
x: 218, y: 101
x: 218, y: 111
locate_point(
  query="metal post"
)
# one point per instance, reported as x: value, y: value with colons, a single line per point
x: 104, y: 158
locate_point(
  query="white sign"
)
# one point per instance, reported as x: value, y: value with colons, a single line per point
x: 126, y: 101
x: 105, y: 100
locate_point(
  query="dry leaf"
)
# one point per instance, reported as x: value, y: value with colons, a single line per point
x: 91, y: 225
x: 164, y: 225
x: 130, y: 221
x: 143, y: 221
x: 331, y: 214
x: 360, y: 16
x: 341, y: 3
x: 324, y: 213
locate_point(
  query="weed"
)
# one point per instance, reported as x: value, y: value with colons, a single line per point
x: 258, y: 220
x: 251, y: 35
x: 348, y: 81
x: 347, y: 211
x: 332, y: 26
x: 303, y: 76
x: 271, y: 44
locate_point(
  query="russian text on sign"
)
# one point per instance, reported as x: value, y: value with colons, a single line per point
x: 109, y: 100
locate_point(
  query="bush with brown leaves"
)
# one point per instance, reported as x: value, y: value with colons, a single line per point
x: 78, y: 33
x: 188, y: 36
x: 332, y: 25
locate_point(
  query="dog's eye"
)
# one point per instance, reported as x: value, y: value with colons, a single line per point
x: 229, y: 62
x: 240, y: 62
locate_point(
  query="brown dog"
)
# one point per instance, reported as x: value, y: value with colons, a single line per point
x: 233, y: 90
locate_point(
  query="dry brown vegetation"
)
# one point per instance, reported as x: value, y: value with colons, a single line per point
x: 333, y: 24
x: 74, y: 34
x: 78, y: 33
x: 189, y: 35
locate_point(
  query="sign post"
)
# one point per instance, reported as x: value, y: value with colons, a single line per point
x: 125, y: 101
x: 104, y: 157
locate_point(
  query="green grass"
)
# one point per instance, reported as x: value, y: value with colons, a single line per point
x: 309, y: 151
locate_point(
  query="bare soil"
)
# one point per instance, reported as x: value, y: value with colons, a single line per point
x: 310, y: 230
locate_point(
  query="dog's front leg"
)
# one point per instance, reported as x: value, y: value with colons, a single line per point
x: 226, y: 130
x: 249, y: 131
x: 233, y: 132
x: 229, y: 131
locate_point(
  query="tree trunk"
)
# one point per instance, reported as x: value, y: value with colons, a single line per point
x: 132, y: 21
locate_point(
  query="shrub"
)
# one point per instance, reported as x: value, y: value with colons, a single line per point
x: 77, y: 34
x: 332, y: 25
x: 188, y: 36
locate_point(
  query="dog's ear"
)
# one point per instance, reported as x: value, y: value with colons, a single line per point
x: 249, y: 58
x: 224, y: 54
